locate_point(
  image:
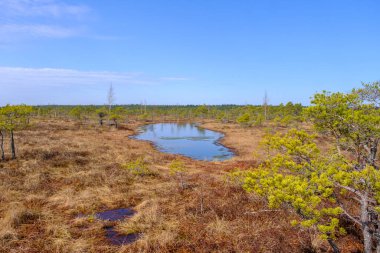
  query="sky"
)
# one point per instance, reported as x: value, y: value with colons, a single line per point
x: 185, y: 51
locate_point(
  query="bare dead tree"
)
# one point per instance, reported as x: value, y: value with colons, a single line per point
x: 111, y: 100
x: 265, y: 105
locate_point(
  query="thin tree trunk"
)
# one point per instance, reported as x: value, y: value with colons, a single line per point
x: 376, y: 234
x: 109, y: 114
x: 364, y: 219
x: 333, y: 245
x: 182, y: 184
x: 373, y: 151
x: 2, y: 145
x: 377, y: 237
x: 13, y: 146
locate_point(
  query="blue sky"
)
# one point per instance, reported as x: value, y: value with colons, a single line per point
x: 185, y: 51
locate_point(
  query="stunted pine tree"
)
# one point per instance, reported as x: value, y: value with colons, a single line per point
x: 244, y: 119
x: 101, y: 112
x: 14, y: 117
x: 76, y: 112
x: 353, y: 120
x: 321, y: 188
x: 117, y: 114
x: 297, y: 177
x: 202, y: 111
x: 178, y: 169
x: 115, y: 117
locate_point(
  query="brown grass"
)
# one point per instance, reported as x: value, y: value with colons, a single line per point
x: 65, y: 169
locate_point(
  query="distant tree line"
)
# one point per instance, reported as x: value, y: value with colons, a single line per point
x: 247, y: 115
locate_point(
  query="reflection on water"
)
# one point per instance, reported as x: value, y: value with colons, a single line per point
x: 185, y: 139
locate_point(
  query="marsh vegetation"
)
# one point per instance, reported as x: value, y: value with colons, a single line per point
x: 303, y: 179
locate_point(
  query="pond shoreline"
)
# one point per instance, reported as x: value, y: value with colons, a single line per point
x: 222, y: 140
x: 199, y: 125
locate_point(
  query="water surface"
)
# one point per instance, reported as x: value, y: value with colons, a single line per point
x: 116, y: 238
x: 115, y: 214
x: 111, y: 217
x: 185, y: 139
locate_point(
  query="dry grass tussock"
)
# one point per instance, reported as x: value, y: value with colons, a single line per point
x: 66, y: 172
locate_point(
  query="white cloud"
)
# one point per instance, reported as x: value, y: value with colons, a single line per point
x: 69, y: 86
x: 24, y: 19
x: 45, y: 8
x: 51, y: 77
x: 36, y: 30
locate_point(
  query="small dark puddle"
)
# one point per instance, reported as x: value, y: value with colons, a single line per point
x: 119, y: 239
x: 113, y: 216
x: 116, y: 214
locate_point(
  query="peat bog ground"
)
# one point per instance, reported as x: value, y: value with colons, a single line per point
x: 67, y: 172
